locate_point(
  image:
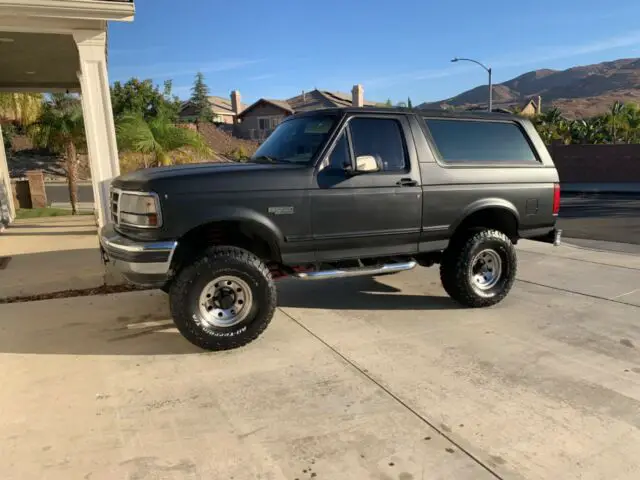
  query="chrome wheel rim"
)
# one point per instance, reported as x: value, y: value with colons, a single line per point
x: 486, y: 269
x: 225, y: 301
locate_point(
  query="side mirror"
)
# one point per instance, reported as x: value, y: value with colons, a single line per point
x: 367, y: 164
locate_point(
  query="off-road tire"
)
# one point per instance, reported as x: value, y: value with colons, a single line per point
x: 456, y: 265
x: 188, y: 284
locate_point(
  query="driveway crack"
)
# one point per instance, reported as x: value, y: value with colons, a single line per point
x: 395, y: 397
x: 596, y: 297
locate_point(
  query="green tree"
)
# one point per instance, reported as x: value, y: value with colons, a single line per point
x: 21, y: 108
x: 200, y: 98
x: 158, y: 138
x: 615, y: 118
x: 553, y: 127
x: 388, y: 103
x: 409, y: 104
x: 632, y: 118
x: 144, y: 98
x: 60, y: 128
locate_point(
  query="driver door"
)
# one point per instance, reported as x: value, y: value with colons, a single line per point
x: 366, y: 214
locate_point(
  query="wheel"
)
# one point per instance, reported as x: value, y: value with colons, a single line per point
x: 224, y: 299
x: 479, y: 270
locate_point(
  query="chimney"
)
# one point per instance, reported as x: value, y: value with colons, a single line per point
x: 357, y: 96
x: 235, y: 105
x: 539, y: 106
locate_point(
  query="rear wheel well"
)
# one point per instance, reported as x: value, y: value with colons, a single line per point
x: 495, y: 218
x: 231, y: 233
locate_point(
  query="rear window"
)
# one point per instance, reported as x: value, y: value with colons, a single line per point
x: 468, y: 141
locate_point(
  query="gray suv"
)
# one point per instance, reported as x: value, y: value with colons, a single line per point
x: 335, y: 193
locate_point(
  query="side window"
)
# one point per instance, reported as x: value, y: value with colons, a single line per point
x: 340, y: 155
x: 380, y: 138
x: 480, y: 141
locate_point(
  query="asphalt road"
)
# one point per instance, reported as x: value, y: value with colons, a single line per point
x: 58, y: 192
x: 593, y: 219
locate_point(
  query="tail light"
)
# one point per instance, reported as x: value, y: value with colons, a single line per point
x: 556, y: 198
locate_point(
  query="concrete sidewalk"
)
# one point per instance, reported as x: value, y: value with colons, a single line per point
x: 356, y: 379
x: 50, y: 255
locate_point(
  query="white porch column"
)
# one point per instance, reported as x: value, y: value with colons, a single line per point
x: 98, y: 116
x: 5, y: 179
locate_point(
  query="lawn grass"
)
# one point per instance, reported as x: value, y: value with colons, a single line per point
x: 22, y: 213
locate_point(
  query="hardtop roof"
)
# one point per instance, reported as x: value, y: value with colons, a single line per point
x: 437, y: 113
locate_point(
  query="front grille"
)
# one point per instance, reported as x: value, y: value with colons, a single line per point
x: 115, y: 199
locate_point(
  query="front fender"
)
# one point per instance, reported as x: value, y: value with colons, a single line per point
x: 255, y: 221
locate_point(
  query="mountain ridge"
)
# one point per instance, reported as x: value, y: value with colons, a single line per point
x: 580, y: 91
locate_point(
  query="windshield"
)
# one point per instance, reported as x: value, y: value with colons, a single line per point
x: 296, y: 141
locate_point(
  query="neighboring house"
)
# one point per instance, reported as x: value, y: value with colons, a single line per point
x: 529, y: 109
x: 532, y: 107
x: 258, y: 120
x: 222, y: 108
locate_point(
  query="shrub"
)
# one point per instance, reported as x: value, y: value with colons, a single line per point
x: 238, y: 154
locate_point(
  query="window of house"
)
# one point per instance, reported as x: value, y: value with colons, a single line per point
x: 268, y: 123
x: 380, y: 138
x: 480, y: 141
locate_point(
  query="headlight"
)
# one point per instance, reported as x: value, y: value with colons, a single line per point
x: 139, y: 210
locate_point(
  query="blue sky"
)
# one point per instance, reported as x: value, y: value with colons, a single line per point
x: 395, y: 48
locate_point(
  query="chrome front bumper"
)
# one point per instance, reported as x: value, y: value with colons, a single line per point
x: 142, y: 263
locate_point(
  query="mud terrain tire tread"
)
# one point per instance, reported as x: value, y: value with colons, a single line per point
x: 456, y: 264
x: 217, y: 261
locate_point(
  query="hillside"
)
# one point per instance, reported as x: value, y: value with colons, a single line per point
x: 578, y: 92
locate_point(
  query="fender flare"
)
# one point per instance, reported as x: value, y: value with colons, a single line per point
x: 485, y: 204
x: 258, y: 223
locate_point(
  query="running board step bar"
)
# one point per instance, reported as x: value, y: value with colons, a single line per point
x: 356, y: 272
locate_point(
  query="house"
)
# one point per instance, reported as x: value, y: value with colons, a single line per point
x: 529, y: 109
x: 532, y: 107
x: 258, y: 120
x: 222, y: 108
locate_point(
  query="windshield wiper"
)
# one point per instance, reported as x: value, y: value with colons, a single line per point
x: 265, y: 158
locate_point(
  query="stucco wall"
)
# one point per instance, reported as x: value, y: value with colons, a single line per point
x: 597, y: 163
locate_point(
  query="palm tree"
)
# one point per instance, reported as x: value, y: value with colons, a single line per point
x: 632, y: 117
x: 21, y: 108
x: 616, y: 110
x: 60, y: 128
x: 159, y: 138
x: 552, y: 126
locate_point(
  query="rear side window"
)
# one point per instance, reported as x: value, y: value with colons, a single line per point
x: 462, y: 141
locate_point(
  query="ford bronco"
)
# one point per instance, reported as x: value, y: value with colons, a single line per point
x: 335, y: 193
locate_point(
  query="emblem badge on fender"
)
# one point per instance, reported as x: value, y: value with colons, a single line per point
x: 280, y: 210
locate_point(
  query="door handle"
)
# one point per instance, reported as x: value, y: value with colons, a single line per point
x: 407, y: 182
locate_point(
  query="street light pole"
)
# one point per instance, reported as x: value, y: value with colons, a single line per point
x: 488, y: 69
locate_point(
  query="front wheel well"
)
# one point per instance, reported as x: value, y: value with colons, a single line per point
x: 495, y: 218
x: 230, y: 233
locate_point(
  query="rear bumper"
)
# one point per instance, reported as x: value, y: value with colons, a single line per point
x: 546, y: 235
x: 141, y: 263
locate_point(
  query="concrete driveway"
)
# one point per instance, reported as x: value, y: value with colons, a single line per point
x: 380, y: 378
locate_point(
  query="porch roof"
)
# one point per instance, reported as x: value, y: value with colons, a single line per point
x: 37, y: 51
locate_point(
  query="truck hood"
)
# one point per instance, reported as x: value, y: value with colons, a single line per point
x: 217, y: 177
